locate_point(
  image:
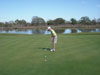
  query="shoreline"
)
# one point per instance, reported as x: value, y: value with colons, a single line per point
x: 57, y: 26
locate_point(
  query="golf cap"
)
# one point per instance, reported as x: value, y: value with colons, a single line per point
x: 49, y: 28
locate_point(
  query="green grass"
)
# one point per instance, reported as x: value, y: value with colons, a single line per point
x: 76, y: 54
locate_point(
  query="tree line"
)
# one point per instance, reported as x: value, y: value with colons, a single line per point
x: 36, y: 21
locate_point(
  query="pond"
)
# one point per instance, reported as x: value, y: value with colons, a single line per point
x: 44, y: 31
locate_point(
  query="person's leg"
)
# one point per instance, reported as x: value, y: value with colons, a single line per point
x: 53, y: 45
x: 54, y: 41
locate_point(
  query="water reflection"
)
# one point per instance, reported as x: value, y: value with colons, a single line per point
x: 43, y: 31
x: 80, y: 30
x: 47, y: 32
x: 67, y: 31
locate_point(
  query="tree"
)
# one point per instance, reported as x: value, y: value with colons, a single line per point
x: 37, y: 21
x: 20, y: 22
x: 24, y: 22
x: 11, y: 23
x: 28, y: 24
x: 73, y: 21
x: 85, y: 20
x: 58, y: 21
x: 50, y: 22
x: 93, y: 22
x: 1, y: 24
x: 98, y: 21
x: 6, y: 24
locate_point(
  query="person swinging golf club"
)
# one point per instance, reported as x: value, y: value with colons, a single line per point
x: 53, y: 38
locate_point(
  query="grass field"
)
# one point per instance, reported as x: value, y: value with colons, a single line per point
x: 76, y: 54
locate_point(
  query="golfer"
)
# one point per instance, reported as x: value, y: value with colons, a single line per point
x: 53, y: 38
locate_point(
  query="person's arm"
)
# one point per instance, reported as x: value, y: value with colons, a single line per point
x: 51, y: 37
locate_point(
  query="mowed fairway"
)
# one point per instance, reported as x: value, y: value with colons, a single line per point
x: 76, y: 54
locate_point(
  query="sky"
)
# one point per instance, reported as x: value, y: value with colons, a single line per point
x: 10, y: 10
